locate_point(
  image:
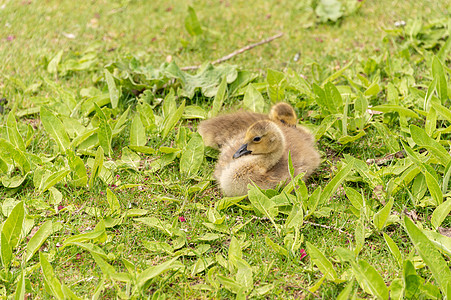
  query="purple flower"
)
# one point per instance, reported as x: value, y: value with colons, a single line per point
x: 182, y: 219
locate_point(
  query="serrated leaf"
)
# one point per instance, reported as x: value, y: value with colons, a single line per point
x: 112, y: 89
x: 324, y: 265
x: 137, y: 132
x: 12, y: 227
x: 440, y: 213
x: 433, y: 259
x: 193, y: 156
x: 38, y: 239
x: 54, y: 128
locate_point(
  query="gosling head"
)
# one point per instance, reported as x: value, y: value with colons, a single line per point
x: 284, y: 113
x: 262, y: 138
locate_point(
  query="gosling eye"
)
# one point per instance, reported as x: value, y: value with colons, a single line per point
x: 283, y: 121
x: 257, y: 139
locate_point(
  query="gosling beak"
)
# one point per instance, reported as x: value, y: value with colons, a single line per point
x: 242, y: 151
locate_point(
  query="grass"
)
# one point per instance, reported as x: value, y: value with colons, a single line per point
x: 32, y: 33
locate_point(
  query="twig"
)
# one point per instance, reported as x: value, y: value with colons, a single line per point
x: 329, y: 227
x: 239, y: 51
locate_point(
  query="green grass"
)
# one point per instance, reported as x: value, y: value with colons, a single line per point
x: 32, y: 33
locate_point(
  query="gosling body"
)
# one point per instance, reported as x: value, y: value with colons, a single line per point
x: 261, y: 156
x: 217, y: 131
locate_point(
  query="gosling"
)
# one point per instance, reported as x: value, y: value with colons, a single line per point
x: 261, y: 156
x: 217, y: 131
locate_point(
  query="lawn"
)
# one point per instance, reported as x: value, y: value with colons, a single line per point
x: 107, y: 190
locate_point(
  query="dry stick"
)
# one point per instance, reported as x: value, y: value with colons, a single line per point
x: 239, y: 51
x: 329, y: 227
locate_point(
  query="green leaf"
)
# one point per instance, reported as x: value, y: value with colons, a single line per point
x: 5, y: 251
x: 253, y: 100
x: 19, y: 294
x: 276, y: 247
x: 38, y: 239
x: 296, y: 217
x: 193, y: 156
x: 53, y: 179
x: 52, y: 67
x: 137, y: 132
x: 393, y: 249
x: 13, y: 225
x: 154, y: 271
x: 244, y: 274
x: 113, y: 202
x: 389, y: 108
x: 440, y: 213
x: 421, y: 138
x: 324, y: 265
x: 98, y: 233
x: 359, y: 234
x: 380, y: 218
x: 52, y: 283
x: 104, y: 133
x: 442, y: 84
x: 329, y: 10
x: 263, y: 204
x: 333, y: 185
x: 54, y: 128
x: 97, y: 167
x: 346, y: 292
x: 13, y: 133
x: 219, y: 98
x: 372, y: 90
x: 433, y: 188
x: 112, y: 89
x: 146, y: 113
x: 373, y: 280
x: 172, y: 119
x: 192, y: 24
x: 78, y: 169
x: 276, y: 85
x: 432, y: 258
